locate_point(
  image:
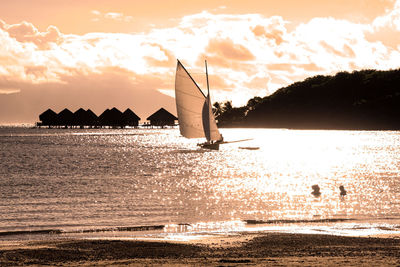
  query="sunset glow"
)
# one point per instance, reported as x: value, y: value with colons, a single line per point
x: 98, y: 54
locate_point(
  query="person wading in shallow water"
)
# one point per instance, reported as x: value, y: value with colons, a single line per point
x: 342, y: 191
x: 315, y: 192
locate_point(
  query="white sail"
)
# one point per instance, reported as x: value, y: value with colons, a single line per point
x: 195, y: 115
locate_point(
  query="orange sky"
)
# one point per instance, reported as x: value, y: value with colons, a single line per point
x: 99, y: 54
x: 75, y: 16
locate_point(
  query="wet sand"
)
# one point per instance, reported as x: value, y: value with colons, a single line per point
x: 272, y: 249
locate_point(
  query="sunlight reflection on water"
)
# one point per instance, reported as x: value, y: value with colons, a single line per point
x: 75, y: 179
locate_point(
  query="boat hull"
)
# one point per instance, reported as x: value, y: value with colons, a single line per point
x: 213, y: 146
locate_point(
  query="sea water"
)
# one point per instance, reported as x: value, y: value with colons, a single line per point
x: 136, y: 182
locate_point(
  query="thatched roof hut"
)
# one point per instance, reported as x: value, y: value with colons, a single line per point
x: 80, y: 117
x: 162, y: 118
x: 116, y: 117
x: 92, y: 117
x: 65, y: 117
x: 111, y: 117
x: 104, y: 117
x: 129, y: 118
x: 84, y: 118
x: 48, y: 118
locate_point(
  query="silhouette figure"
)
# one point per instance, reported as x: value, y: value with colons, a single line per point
x: 315, y: 192
x: 342, y: 191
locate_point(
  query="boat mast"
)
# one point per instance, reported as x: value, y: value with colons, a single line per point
x: 208, y: 135
x: 208, y: 86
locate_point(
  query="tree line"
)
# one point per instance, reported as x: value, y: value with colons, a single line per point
x: 365, y: 100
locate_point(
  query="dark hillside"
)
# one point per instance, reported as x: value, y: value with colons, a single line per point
x: 366, y: 99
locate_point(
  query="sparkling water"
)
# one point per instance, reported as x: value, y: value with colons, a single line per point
x: 124, y: 180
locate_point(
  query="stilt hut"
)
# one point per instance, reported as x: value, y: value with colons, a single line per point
x: 104, y: 118
x: 111, y: 117
x: 116, y: 118
x: 65, y: 118
x: 92, y: 117
x: 80, y: 118
x: 130, y: 118
x: 48, y: 118
x: 162, y: 118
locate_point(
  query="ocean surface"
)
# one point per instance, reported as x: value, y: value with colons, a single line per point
x: 129, y: 183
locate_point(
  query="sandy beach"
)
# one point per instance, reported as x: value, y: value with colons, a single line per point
x: 275, y: 249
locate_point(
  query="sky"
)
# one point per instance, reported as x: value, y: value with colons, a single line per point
x: 101, y: 54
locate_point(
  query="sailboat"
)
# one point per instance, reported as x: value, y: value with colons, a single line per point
x: 195, y: 116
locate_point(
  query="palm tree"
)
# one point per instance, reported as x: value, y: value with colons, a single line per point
x: 227, y: 106
x: 217, y: 109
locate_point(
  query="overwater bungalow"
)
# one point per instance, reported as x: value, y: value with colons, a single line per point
x: 80, y: 118
x: 111, y: 117
x: 162, y: 118
x: 65, y: 118
x: 116, y: 118
x: 92, y: 117
x: 84, y: 118
x: 129, y: 118
x: 48, y: 118
x: 87, y: 118
x: 104, y: 117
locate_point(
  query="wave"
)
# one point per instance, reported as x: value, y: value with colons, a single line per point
x: 120, y: 229
x: 94, y: 230
x: 299, y: 221
x: 32, y: 232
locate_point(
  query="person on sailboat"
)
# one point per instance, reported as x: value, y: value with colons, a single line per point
x: 221, y: 139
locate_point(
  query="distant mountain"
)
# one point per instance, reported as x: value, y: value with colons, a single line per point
x: 367, y: 100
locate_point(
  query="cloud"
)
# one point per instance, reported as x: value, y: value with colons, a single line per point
x: 113, y: 87
x: 389, y: 20
x: 111, y: 16
x: 345, y: 51
x: 247, y: 46
x: 386, y: 28
x: 26, y: 32
x: 2, y: 24
x: 161, y: 58
x: 228, y: 49
x: 274, y: 30
x: 258, y: 82
x: 335, y: 45
x: 247, y: 55
x: 7, y: 91
x: 94, y: 71
x: 35, y: 70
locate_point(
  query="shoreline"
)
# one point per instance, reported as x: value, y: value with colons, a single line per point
x: 244, y: 126
x: 218, y: 250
